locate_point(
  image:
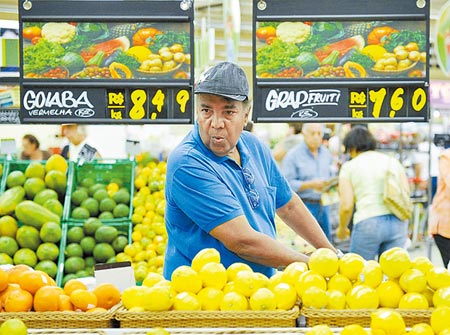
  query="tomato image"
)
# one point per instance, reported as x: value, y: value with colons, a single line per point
x: 30, y: 32
x: 263, y: 33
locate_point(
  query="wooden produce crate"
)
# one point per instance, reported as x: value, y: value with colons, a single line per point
x: 207, y: 319
x: 345, y: 317
x: 66, y: 319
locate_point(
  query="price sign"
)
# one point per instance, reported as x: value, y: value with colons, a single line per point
x: 104, y: 70
x: 342, y: 66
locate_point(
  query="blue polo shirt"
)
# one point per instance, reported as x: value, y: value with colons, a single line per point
x: 203, y: 191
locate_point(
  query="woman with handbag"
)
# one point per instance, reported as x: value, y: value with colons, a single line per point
x: 363, y: 183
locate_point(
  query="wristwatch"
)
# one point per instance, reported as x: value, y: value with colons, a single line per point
x: 339, y: 253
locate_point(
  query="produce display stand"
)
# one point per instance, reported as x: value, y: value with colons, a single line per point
x: 66, y: 331
x: 345, y: 317
x: 207, y: 319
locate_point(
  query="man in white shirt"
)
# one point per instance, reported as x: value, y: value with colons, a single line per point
x: 77, y: 136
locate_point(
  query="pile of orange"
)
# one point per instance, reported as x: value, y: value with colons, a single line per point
x: 23, y: 289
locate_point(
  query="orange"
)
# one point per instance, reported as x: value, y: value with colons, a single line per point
x: 73, y: 284
x: 18, y: 301
x: 46, y: 299
x: 83, y: 299
x: 15, y: 272
x: 6, y: 291
x: 107, y: 294
x: 3, y: 279
x: 64, y: 303
x: 32, y: 280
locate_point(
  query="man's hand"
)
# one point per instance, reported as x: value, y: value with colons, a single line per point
x: 342, y: 233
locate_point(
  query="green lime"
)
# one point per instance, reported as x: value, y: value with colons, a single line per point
x: 87, y: 182
x: 33, y: 186
x: 98, y: 186
x: 28, y: 237
x: 68, y: 277
x: 15, y: 178
x: 50, y: 232
x: 25, y: 256
x: 122, y: 196
x: 80, y: 213
x: 101, y: 194
x: 5, y: 259
x: 44, y: 195
x: 56, y: 180
x: 117, y: 181
x: 47, y: 251
x: 106, y: 216
x: 78, y: 196
x: 8, y: 245
x: 119, y: 243
x: 91, y: 225
x: 89, y: 262
x: 82, y: 273
x: 75, y: 234
x: 48, y: 267
x: 106, y: 234
x: 121, y: 211
x: 54, y: 206
x: 87, y: 244
x: 73, y: 250
x: 91, y: 205
x: 107, y: 205
x: 103, y: 252
x: 112, y: 260
x: 73, y: 264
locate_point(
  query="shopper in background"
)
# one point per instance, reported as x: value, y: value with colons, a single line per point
x: 293, y: 137
x: 223, y: 187
x: 307, y: 167
x: 77, y: 136
x: 439, y: 223
x: 361, y: 184
x: 31, y: 149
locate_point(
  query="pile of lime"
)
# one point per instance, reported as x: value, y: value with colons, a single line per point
x: 103, y: 200
x: 89, y: 244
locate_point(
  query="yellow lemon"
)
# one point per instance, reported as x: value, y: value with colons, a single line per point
x: 374, y: 51
x: 186, y: 279
x: 350, y: 265
x: 371, y: 274
x: 314, y: 297
x: 229, y: 287
x: 210, y: 298
x: 233, y: 301
x: 394, y: 262
x: 291, y: 272
x: 263, y: 299
x: 386, y: 321
x: 336, y: 299
x: 320, y: 330
x: 441, y: 297
x: 413, y: 300
x: 213, y: 275
x: 353, y: 330
x: 413, y: 280
x: 428, y: 293
x: 141, y: 53
x: 13, y: 326
x: 339, y: 282
x: 362, y: 297
x: 234, y: 268
x: 439, y: 318
x: 285, y: 295
x: 421, y: 329
x: 205, y: 256
x: 160, y: 298
x: 261, y: 280
x: 134, y: 296
x: 438, y: 277
x: 308, y: 279
x: 246, y: 283
x: 324, y: 261
x: 422, y: 263
x: 186, y: 301
x: 445, y: 331
x: 389, y: 293
x: 152, y: 278
x: 275, y: 279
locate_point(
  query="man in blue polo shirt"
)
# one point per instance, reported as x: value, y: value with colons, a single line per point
x: 223, y: 187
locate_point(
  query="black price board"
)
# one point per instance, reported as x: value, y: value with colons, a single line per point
x: 108, y: 62
x: 332, y: 61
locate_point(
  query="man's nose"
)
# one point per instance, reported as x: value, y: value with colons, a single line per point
x: 217, y: 121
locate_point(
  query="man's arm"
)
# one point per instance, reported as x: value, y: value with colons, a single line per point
x: 345, y: 207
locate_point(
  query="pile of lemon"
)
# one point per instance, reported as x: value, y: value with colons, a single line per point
x: 149, y: 236
x: 208, y: 285
x: 386, y: 321
x: 395, y: 281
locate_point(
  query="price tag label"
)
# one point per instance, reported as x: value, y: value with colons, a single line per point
x: 132, y: 147
x: 8, y: 146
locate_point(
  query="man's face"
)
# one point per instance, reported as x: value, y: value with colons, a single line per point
x: 221, y: 122
x: 312, y: 134
x: 28, y: 148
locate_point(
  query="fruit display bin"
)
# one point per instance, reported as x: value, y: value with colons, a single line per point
x: 81, y: 331
x: 13, y: 165
x: 125, y: 227
x: 345, y: 317
x: 207, y: 319
x: 228, y: 331
x: 101, y: 172
x: 61, y: 320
